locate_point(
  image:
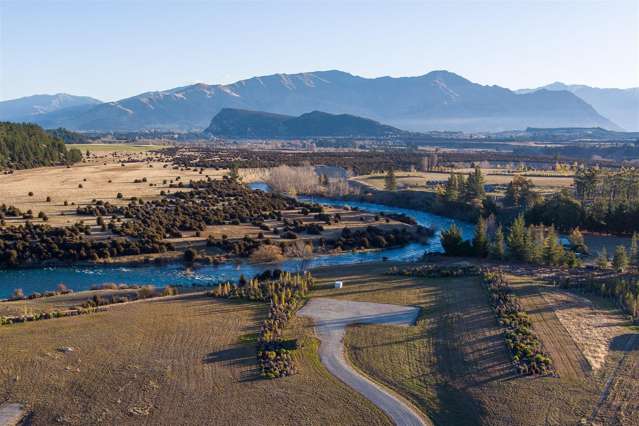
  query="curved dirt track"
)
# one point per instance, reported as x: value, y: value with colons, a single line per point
x: 331, y: 316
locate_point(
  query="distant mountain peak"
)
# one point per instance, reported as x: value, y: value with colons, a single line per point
x: 621, y: 106
x: 29, y: 107
x: 438, y: 100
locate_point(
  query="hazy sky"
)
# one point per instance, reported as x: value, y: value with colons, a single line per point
x: 116, y: 49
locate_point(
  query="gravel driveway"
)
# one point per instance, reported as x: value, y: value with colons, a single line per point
x: 331, y: 316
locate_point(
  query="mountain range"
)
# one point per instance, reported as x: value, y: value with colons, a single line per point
x: 621, y: 106
x: 38, y: 108
x: 237, y: 123
x: 439, y: 100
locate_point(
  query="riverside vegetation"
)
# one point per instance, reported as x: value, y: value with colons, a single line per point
x: 143, y: 227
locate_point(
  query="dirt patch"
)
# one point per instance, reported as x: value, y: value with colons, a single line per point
x: 592, y: 329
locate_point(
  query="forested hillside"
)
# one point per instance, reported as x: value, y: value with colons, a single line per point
x: 24, y: 146
x: 68, y: 136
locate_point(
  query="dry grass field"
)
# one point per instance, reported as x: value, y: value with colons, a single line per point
x: 587, y: 338
x: 102, y: 177
x: 57, y: 303
x: 112, y: 147
x: 454, y: 365
x: 418, y: 180
x: 184, y: 361
x: 191, y: 359
x: 98, y: 181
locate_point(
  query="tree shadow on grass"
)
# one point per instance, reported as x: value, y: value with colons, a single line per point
x: 242, y: 356
x: 625, y: 343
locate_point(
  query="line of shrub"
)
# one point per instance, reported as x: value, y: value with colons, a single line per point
x: 8, y: 320
x: 96, y: 303
x: 285, y: 293
x: 524, y: 345
x: 434, y: 270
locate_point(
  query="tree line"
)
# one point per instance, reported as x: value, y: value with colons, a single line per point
x: 532, y: 243
x: 24, y: 146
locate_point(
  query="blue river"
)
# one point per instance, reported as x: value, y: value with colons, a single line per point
x: 83, y: 277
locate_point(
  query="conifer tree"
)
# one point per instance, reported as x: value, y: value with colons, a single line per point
x: 474, y: 188
x: 451, y: 191
x: 620, y: 259
x: 518, y: 240
x: 536, y: 240
x: 390, y: 181
x: 553, y: 250
x: 577, y: 242
x: 602, y: 258
x: 480, y: 239
x: 498, y: 248
x: 452, y: 241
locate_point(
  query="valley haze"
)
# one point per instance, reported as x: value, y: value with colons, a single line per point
x: 438, y: 100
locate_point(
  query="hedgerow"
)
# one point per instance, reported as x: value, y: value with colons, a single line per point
x: 434, y: 271
x: 524, y: 345
x: 285, y: 293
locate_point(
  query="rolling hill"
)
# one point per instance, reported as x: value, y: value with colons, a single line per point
x: 262, y: 125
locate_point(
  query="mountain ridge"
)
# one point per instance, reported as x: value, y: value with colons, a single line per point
x: 438, y: 100
x: 28, y: 107
x: 619, y: 105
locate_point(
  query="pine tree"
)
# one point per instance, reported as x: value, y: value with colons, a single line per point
x: 499, y: 246
x: 451, y: 191
x: 234, y: 172
x: 536, y: 243
x: 474, y: 188
x: 452, y: 241
x: 518, y: 239
x: 390, y: 181
x: 553, y: 250
x: 620, y: 259
x: 480, y: 240
x: 577, y: 242
x: 602, y: 259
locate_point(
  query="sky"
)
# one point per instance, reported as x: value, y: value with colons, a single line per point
x: 116, y: 49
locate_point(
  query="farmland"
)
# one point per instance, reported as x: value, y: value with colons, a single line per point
x: 180, y: 361
x: 547, y: 182
x: 454, y: 361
